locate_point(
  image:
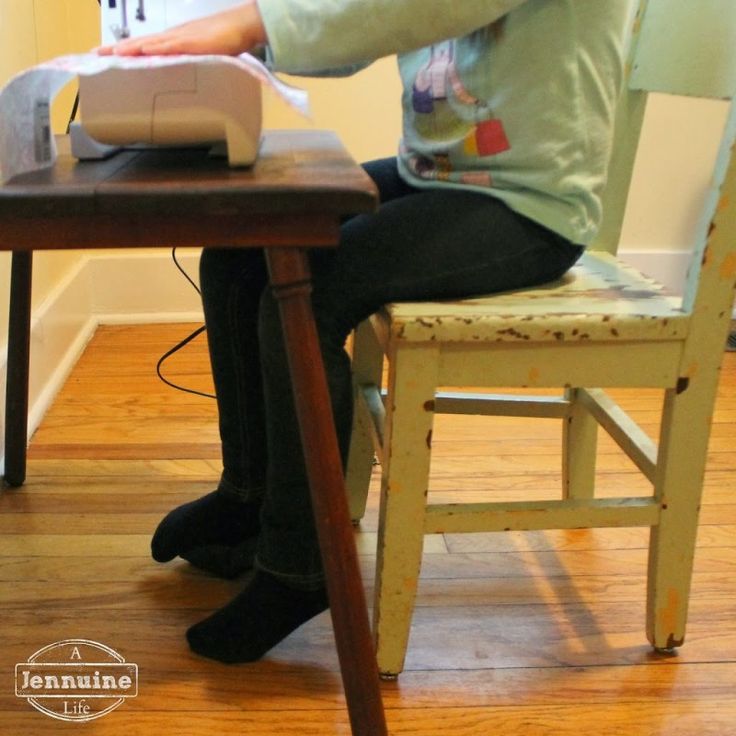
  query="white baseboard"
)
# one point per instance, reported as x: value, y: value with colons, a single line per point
x: 667, y: 267
x: 101, y: 289
x: 60, y: 328
x: 145, y: 287
x: 110, y: 288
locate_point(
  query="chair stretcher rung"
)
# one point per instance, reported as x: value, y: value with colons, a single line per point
x: 627, y: 434
x: 466, y: 402
x: 370, y: 395
x: 504, y: 405
x: 535, y: 515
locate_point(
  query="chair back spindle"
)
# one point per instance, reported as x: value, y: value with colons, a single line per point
x: 667, y: 55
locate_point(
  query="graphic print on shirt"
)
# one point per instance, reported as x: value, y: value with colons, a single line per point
x: 445, y: 111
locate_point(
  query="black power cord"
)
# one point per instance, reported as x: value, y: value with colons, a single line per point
x: 183, y: 342
x: 73, y: 114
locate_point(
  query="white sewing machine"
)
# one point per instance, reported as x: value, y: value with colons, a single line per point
x: 124, y: 18
x: 181, y: 105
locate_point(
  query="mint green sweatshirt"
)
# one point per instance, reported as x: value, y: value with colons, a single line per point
x: 513, y: 98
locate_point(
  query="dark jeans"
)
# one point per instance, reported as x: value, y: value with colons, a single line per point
x: 420, y: 245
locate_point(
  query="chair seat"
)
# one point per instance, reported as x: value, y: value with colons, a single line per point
x: 600, y: 298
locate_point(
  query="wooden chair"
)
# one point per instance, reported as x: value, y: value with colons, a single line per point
x: 603, y: 326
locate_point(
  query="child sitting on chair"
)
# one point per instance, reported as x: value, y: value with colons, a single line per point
x: 508, y: 111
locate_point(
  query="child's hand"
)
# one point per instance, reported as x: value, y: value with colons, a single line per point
x: 230, y: 32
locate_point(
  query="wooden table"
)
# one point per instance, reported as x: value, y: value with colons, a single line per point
x: 294, y: 197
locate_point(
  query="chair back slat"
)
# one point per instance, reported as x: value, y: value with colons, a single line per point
x: 678, y: 47
x: 685, y: 47
x: 629, y: 119
x: 712, y: 272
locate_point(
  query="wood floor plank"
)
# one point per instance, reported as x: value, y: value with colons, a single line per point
x: 471, y: 637
x: 72, y: 587
x: 672, y: 719
x: 276, y: 688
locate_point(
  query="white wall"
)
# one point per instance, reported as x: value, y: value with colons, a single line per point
x: 17, y: 51
x: 678, y: 147
x: 32, y: 31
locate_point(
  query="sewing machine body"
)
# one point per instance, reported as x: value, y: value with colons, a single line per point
x: 181, y: 105
x: 123, y: 18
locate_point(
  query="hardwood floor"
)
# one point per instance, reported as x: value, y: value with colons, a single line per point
x: 516, y: 633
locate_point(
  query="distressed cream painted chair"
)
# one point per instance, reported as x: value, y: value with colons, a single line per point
x: 603, y: 326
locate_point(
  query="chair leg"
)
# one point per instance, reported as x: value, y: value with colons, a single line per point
x: 579, y: 443
x: 16, y: 389
x: 678, y: 487
x: 409, y: 420
x: 367, y: 369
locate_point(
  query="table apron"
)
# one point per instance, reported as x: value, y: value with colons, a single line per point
x: 195, y: 230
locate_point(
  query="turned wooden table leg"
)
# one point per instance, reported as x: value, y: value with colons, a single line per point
x: 16, y: 387
x: 290, y: 280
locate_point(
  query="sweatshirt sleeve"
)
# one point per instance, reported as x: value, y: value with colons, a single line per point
x: 309, y: 35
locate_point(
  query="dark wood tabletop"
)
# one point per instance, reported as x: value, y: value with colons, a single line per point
x: 306, y: 178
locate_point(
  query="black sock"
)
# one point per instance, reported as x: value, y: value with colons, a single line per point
x: 215, y: 533
x: 222, y: 560
x: 266, y: 612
